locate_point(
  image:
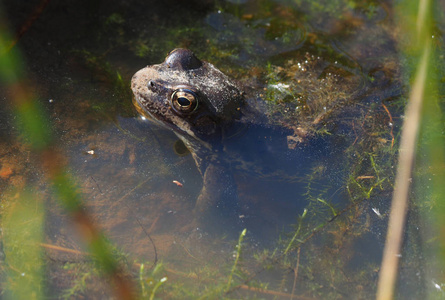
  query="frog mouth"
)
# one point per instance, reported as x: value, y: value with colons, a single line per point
x: 142, y: 112
x: 148, y: 115
x: 182, y: 134
x: 155, y: 118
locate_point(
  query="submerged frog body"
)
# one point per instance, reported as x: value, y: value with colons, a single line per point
x: 202, y: 106
x: 210, y: 114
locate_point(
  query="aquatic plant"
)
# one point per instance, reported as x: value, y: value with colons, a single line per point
x: 316, y: 256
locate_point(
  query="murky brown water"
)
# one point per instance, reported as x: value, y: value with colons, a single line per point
x: 81, y: 56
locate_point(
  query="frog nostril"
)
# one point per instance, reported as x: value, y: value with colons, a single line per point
x: 156, y: 86
x: 153, y: 86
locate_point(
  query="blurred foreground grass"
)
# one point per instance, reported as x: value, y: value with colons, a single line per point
x: 23, y: 223
x: 23, y: 231
x: 424, y: 117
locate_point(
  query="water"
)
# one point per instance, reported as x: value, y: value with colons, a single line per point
x: 337, y: 108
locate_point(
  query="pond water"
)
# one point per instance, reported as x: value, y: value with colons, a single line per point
x: 313, y: 183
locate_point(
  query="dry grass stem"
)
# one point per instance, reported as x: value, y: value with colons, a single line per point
x: 408, y: 140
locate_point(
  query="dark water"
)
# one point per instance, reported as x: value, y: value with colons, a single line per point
x: 331, y: 72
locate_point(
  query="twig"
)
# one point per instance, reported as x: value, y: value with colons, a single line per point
x: 148, y: 236
x: 355, y: 132
x: 296, y: 274
x: 391, y: 124
x: 63, y: 249
x: 98, y: 187
x: 189, y: 253
x: 151, y: 241
x: 153, y: 225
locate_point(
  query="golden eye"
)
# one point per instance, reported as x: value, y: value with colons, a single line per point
x: 184, y: 101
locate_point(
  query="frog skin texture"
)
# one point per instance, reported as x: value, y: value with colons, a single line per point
x: 208, y: 112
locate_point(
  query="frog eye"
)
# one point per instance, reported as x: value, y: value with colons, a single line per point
x: 184, y: 101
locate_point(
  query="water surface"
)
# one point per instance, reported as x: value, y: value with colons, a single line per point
x: 331, y: 77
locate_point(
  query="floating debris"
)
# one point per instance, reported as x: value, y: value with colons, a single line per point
x: 437, y: 286
x: 177, y: 183
x: 377, y: 212
x: 365, y: 177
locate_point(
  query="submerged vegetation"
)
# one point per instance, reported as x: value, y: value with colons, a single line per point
x: 312, y: 87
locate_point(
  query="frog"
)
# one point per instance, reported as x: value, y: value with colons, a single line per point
x: 211, y: 113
